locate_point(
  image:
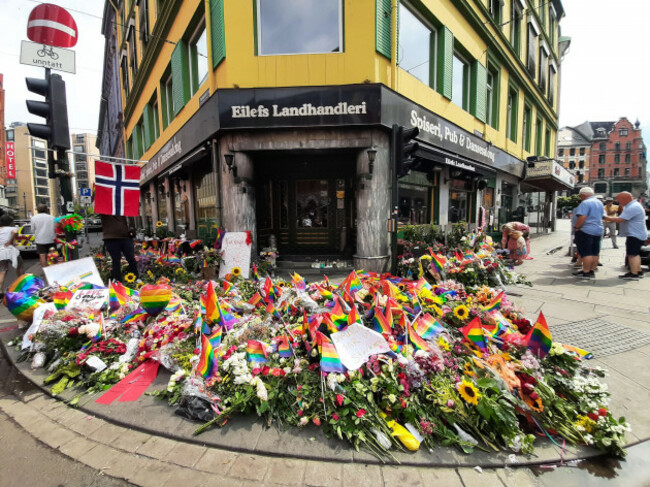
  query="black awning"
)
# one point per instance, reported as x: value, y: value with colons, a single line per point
x: 431, y: 157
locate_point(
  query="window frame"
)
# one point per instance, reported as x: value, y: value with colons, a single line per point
x: 193, y: 57
x: 492, y: 96
x: 601, y: 159
x: 539, y: 125
x: 516, y: 16
x: 628, y: 158
x: 511, y: 113
x: 433, y: 46
x: 617, y: 158
x: 167, y: 99
x: 623, y: 132
x: 465, y: 80
x: 258, y: 34
x: 526, y: 127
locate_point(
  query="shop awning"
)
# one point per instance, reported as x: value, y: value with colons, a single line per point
x: 548, y: 175
x: 440, y: 157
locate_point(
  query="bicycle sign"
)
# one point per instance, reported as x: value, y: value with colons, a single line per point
x: 34, y: 54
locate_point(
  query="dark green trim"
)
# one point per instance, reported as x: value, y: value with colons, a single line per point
x: 445, y: 61
x: 217, y: 33
x: 478, y: 101
x: 180, y: 76
x: 527, y: 130
x: 150, y: 55
x: 435, y: 213
x: 384, y: 28
x: 255, y: 26
x: 147, y: 126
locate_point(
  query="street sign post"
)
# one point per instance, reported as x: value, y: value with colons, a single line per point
x: 85, y: 192
x: 33, y: 54
x: 52, y: 25
x: 86, y: 200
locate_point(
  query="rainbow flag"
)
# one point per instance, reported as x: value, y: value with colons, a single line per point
x: 352, y: 283
x: 118, y: 294
x: 428, y: 327
x: 208, y: 364
x: 438, y: 261
x: 473, y: 332
x: 256, y: 276
x: 226, y: 285
x: 416, y: 340
x: 175, y: 305
x: 100, y: 331
x: 284, y: 347
x: 329, y: 357
x: 382, y: 322
x: 577, y: 353
x: 61, y: 299
x: 256, y: 352
x: 270, y: 290
x: 299, y: 282
x: 539, y: 337
x: 273, y: 311
x: 172, y: 259
x: 422, y: 284
x: 256, y: 299
x: 326, y: 293
x: 224, y: 317
x: 215, y: 338
x: 205, y: 263
x: 495, y: 303
x: 137, y: 315
x: 502, y: 324
x: 212, y: 311
x: 353, y: 317
x: 339, y: 314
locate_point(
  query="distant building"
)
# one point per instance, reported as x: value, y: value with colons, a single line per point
x: 573, y: 152
x: 83, y: 158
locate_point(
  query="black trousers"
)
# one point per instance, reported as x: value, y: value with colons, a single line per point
x: 116, y: 247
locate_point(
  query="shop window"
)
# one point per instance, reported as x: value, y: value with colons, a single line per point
x: 311, y: 202
x: 601, y: 159
x: 459, y: 200
x: 460, y: 82
x: 205, y: 198
x: 515, y: 27
x: 527, y: 127
x: 414, y: 203
x: 299, y: 26
x: 147, y: 212
x: 628, y: 158
x: 582, y: 151
x: 492, y: 96
x: 198, y: 57
x: 627, y: 171
x: 416, y: 47
x: 167, y: 100
x: 513, y: 102
x: 161, y: 204
x: 560, y: 152
x: 181, y: 206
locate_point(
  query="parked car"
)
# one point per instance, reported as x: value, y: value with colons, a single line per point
x: 25, y: 239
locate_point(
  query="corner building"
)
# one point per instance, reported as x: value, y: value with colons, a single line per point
x: 275, y: 116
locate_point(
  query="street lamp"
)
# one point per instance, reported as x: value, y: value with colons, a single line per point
x: 25, y: 203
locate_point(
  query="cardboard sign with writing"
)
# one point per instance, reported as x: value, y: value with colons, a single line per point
x: 68, y: 273
x: 88, y: 300
x: 235, y: 252
x: 39, y: 314
x: 357, y: 343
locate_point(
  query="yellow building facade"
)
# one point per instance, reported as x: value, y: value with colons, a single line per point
x: 280, y: 117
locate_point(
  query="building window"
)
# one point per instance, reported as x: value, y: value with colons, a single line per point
x: 198, y: 57
x: 125, y: 76
x: 515, y: 27
x: 532, y: 50
x: 551, y: 28
x: 628, y: 158
x: 551, y: 84
x: 572, y: 152
x: 616, y: 171
x: 167, y: 100
x: 538, y: 136
x: 601, y: 173
x: 156, y: 124
x: 622, y: 132
x: 581, y: 164
x: 299, y: 26
x: 627, y: 171
x: 617, y: 146
x: 580, y: 178
x: 416, y: 47
x: 143, y: 11
x: 547, y: 143
x: 527, y: 127
x: 543, y: 61
x: 133, y: 52
x: 582, y: 151
x: 460, y: 82
x: 492, y: 88
x: 628, y: 146
x: 513, y: 102
x: 617, y: 158
x: 572, y: 165
x: 601, y: 159
x: 560, y: 153
x: 495, y: 11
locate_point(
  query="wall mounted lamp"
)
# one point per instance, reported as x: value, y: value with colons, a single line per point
x: 372, y: 155
x: 230, y: 162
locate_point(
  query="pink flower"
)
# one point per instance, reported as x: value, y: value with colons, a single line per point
x: 450, y: 403
x: 361, y: 413
x: 335, y: 417
x: 339, y: 399
x: 316, y: 421
x: 300, y: 387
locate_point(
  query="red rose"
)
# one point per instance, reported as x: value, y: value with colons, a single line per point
x: 265, y: 370
x: 300, y: 413
x: 299, y: 387
x: 313, y: 367
x: 361, y: 413
x: 73, y: 331
x: 197, y: 351
x: 256, y: 371
x: 602, y: 412
x: 335, y: 417
x: 339, y: 399
x: 592, y: 416
x: 276, y: 372
x: 316, y: 421
x: 534, y: 396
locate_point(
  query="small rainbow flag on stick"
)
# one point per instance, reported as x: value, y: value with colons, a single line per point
x: 416, y: 340
x: 427, y: 326
x: 329, y: 358
x: 382, y: 322
x: 256, y: 352
x: 539, y: 337
x: 438, y: 261
x: 495, y: 304
x: 255, y: 299
x: 473, y: 332
x: 137, y: 315
x: 208, y: 364
x: 215, y: 338
x: 284, y: 347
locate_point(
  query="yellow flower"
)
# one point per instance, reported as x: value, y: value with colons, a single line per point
x: 150, y: 274
x: 468, y: 392
x: 180, y: 271
x: 437, y: 310
x: 130, y: 277
x: 236, y: 271
x: 443, y: 343
x: 159, y: 224
x: 461, y: 312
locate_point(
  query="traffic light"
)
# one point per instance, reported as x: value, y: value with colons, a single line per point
x: 54, y: 109
x: 404, y: 148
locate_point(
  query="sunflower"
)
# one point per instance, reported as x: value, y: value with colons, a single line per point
x: 130, y: 277
x: 468, y: 392
x: 236, y: 271
x: 468, y: 371
x: 461, y: 312
x: 159, y: 224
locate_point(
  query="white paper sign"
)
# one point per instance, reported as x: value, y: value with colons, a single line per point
x: 88, y: 300
x: 73, y: 271
x: 235, y: 252
x: 95, y: 363
x: 39, y: 313
x: 357, y: 343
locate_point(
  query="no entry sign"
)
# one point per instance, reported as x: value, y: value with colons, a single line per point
x: 52, y: 25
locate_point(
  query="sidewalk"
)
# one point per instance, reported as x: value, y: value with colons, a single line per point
x: 146, y: 444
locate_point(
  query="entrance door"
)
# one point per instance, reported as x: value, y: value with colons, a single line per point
x: 306, y: 203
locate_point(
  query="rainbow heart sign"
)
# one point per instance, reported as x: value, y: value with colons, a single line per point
x: 154, y: 298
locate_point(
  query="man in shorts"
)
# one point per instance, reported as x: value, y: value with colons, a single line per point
x: 43, y: 230
x: 589, y: 231
x: 632, y: 220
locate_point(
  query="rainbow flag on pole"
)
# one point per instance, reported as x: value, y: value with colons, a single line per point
x: 439, y: 261
x: 329, y: 357
x: 215, y: 338
x: 284, y: 347
x: 256, y: 352
x: 382, y: 322
x: 539, y: 337
x: 427, y: 326
x: 495, y: 304
x: 416, y: 340
x: 208, y: 364
x: 473, y: 332
x: 137, y: 315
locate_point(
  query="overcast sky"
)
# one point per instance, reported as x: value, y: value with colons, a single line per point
x: 604, y: 74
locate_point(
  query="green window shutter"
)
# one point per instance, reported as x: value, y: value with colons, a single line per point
x: 129, y: 150
x: 479, y: 91
x: 445, y: 62
x: 217, y: 32
x: 147, y: 126
x: 180, y: 77
x: 383, y: 27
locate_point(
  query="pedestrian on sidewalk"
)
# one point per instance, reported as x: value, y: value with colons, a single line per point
x: 43, y: 231
x: 611, y: 209
x: 632, y: 220
x: 9, y: 255
x: 589, y: 231
x: 118, y: 240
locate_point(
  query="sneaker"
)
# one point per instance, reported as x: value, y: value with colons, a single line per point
x: 586, y: 275
x: 578, y: 272
x: 628, y: 276
x: 615, y: 246
x: 599, y: 264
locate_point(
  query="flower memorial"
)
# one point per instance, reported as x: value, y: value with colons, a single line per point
x: 383, y: 362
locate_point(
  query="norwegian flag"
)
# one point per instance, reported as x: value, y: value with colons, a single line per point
x: 117, y: 189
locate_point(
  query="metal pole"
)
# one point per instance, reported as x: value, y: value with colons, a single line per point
x: 25, y: 203
x: 394, y: 203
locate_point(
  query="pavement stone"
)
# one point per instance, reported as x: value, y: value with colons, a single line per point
x: 156, y: 447
x: 323, y: 474
x: 185, y: 454
x: 359, y: 475
x: 216, y: 461
x: 396, y: 475
x: 249, y: 467
x: 76, y: 446
x: 131, y: 440
x: 447, y: 477
x: 285, y: 471
x: 472, y: 478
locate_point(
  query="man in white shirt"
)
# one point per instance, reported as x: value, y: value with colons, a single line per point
x: 43, y: 230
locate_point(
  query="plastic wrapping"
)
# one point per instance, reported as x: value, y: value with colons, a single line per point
x: 195, y: 408
x: 39, y: 360
x: 131, y: 351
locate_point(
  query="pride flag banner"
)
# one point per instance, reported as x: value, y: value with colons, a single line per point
x: 428, y: 327
x: 539, y: 337
x: 473, y: 332
x: 495, y: 303
x: 329, y: 357
x: 207, y: 366
x: 256, y: 352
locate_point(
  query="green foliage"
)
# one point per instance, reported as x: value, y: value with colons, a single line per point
x: 568, y: 202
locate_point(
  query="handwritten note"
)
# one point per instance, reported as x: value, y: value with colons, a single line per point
x: 357, y: 343
x: 235, y: 252
x: 88, y: 300
x: 74, y: 271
